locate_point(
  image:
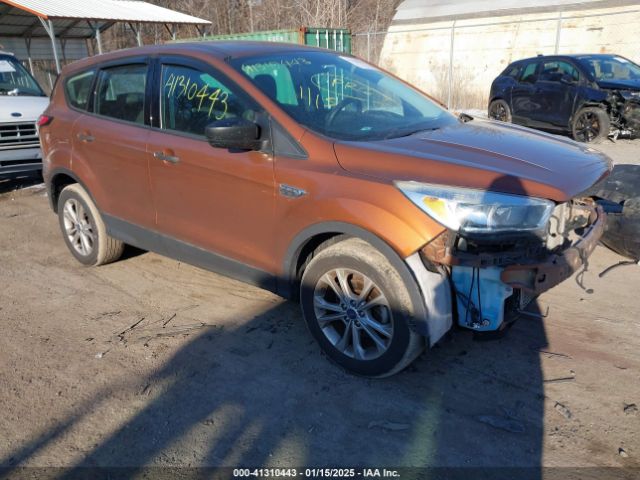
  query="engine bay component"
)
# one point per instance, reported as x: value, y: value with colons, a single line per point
x: 480, y: 297
x: 495, y: 281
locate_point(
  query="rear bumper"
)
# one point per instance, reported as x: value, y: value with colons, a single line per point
x: 539, y: 277
x: 20, y: 160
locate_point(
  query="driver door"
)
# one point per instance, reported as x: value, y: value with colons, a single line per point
x: 556, y: 88
x: 216, y: 199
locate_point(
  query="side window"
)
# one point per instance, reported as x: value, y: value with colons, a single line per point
x: 274, y: 79
x: 529, y: 73
x: 78, y: 89
x: 190, y: 100
x: 555, y: 70
x: 512, y: 71
x: 121, y: 92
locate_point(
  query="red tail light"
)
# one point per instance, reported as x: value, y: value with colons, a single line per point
x: 44, y: 120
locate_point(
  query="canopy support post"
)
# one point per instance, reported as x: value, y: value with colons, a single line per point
x: 99, y: 41
x: 96, y: 32
x: 27, y: 41
x: 48, y: 27
x: 137, y: 30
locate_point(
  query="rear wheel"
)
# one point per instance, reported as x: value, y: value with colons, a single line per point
x: 358, y: 308
x: 83, y: 230
x: 499, y: 110
x: 591, y: 125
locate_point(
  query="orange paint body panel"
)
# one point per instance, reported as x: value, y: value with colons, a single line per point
x: 230, y: 202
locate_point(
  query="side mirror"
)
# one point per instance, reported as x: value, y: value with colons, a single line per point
x: 234, y: 134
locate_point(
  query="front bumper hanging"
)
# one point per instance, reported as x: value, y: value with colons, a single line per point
x: 493, y: 285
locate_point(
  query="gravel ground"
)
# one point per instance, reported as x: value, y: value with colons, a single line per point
x: 149, y: 361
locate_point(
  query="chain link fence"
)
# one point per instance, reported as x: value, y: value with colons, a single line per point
x: 456, y: 61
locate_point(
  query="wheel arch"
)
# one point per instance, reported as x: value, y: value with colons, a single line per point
x: 323, y: 234
x: 58, y: 179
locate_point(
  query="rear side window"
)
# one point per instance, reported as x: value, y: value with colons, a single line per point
x: 512, y: 71
x: 191, y: 99
x: 78, y: 89
x: 529, y: 73
x: 121, y: 93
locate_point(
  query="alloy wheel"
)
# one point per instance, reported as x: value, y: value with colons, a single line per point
x: 77, y: 226
x: 353, y: 313
x: 499, y: 112
x: 587, y: 127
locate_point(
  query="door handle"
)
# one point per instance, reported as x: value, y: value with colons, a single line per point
x: 166, y: 158
x: 85, y: 137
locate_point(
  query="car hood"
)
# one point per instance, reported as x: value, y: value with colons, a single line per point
x: 29, y: 108
x: 619, y: 84
x: 482, y: 154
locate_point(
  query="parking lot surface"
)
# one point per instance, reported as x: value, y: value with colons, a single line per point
x: 149, y: 361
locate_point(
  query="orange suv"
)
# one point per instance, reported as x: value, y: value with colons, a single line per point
x: 324, y: 179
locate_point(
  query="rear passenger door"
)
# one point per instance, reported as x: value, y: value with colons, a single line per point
x: 110, y: 140
x: 524, y: 103
x: 213, y: 198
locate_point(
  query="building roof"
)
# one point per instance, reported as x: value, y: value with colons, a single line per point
x: 80, y: 18
x: 425, y: 11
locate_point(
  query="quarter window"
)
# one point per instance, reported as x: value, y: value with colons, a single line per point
x: 121, y: 93
x: 191, y: 100
x: 78, y: 89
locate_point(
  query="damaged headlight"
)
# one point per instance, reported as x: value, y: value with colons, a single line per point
x: 478, y: 211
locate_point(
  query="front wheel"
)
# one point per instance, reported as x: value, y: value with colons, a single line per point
x: 590, y: 125
x: 358, y: 309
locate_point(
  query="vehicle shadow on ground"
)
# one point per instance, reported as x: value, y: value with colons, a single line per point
x: 9, y: 183
x: 463, y: 404
x: 217, y: 402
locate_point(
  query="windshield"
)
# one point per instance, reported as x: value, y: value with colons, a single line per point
x: 611, y: 68
x: 15, y: 80
x: 342, y: 97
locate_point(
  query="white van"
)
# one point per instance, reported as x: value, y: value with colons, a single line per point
x: 21, y: 103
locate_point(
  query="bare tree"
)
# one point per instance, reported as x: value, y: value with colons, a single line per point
x: 236, y: 16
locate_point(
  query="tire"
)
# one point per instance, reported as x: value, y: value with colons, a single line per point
x: 622, y: 234
x: 590, y: 125
x: 349, y: 325
x: 83, y: 229
x: 499, y: 110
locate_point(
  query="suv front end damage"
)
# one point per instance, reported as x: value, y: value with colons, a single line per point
x: 493, y: 280
x: 624, y: 112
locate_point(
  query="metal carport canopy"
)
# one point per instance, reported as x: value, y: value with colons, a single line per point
x: 83, y: 19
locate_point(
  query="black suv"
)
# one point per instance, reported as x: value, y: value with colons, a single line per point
x: 590, y: 96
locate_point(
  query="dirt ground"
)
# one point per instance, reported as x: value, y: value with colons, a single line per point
x: 149, y: 361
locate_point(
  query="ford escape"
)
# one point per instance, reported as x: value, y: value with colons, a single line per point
x: 324, y: 179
